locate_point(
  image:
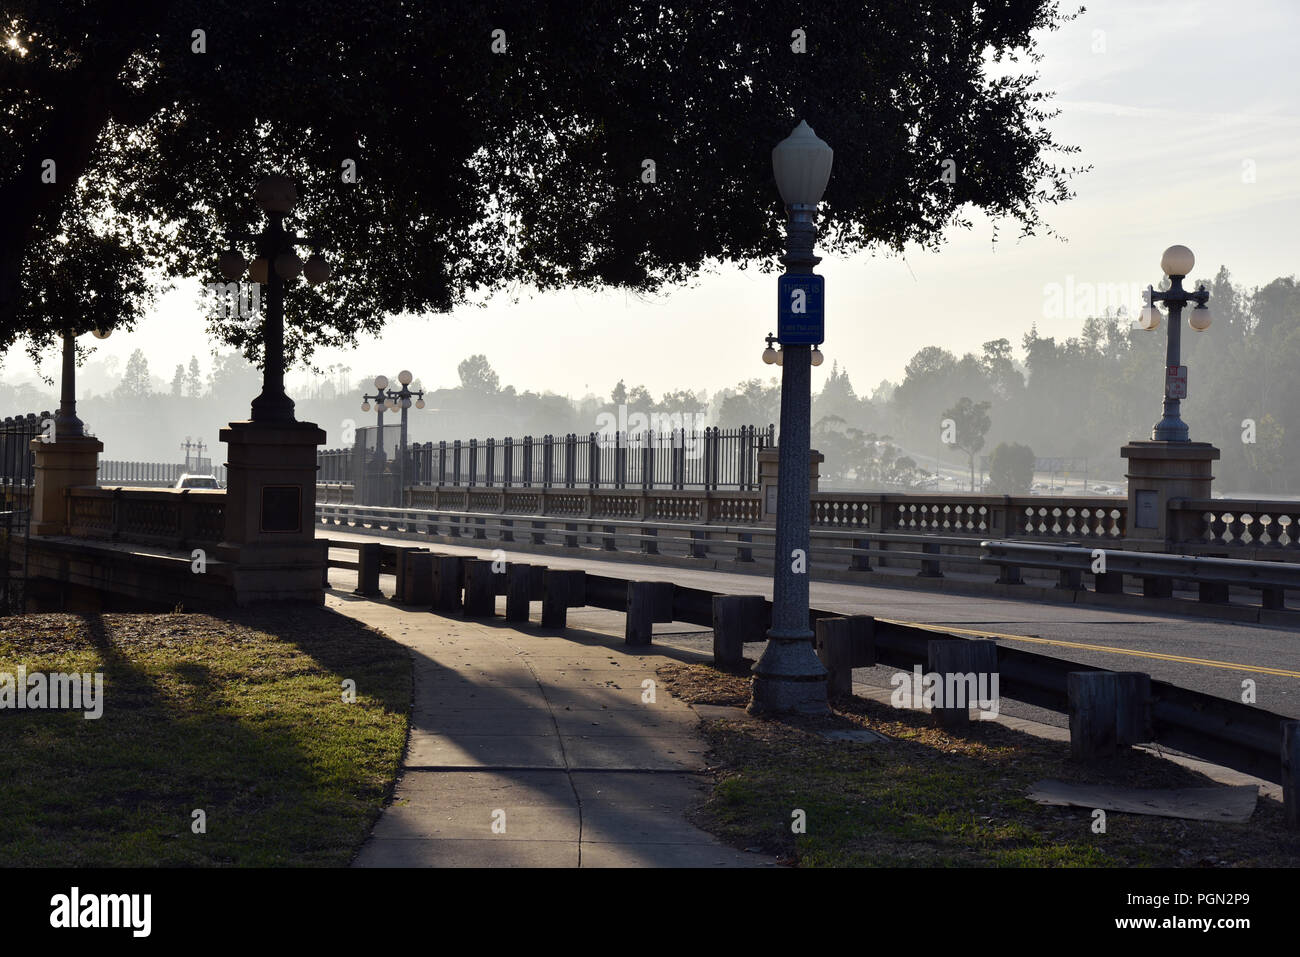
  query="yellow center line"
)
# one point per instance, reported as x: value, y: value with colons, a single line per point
x: 1204, y: 662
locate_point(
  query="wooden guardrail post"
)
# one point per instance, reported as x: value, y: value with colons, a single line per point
x: 736, y: 620
x: 959, y: 663
x: 523, y: 586
x: 538, y: 533
x: 861, y: 560
x: 563, y: 588
x: 368, y: 569
x: 570, y: 534
x: 744, y: 553
x: 648, y: 545
x: 1291, y: 773
x: 699, y: 547
x: 844, y: 644
x: 607, y: 540
x: 446, y: 582
x: 417, y: 584
x: 1108, y: 710
x: 402, y: 569
x: 480, y: 588
x: 647, y: 603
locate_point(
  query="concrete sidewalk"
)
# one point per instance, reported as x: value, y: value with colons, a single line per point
x: 536, y: 749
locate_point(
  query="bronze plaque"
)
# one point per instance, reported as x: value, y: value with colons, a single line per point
x: 282, y: 508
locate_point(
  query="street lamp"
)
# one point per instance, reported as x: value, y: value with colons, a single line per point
x: 276, y: 264
x: 788, y: 676
x: 1177, y: 263
x: 66, y: 422
x: 394, y: 400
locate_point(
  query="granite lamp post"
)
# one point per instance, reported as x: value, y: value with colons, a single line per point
x: 1170, y: 465
x: 788, y: 677
x: 271, y: 493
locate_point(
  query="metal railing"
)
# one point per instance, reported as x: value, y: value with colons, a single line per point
x: 146, y: 474
x: 708, y: 459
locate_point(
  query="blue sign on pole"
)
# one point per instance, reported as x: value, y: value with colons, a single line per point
x: 800, y: 310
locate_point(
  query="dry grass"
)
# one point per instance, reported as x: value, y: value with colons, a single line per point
x: 935, y: 797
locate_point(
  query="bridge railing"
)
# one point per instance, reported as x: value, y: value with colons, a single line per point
x: 168, y: 517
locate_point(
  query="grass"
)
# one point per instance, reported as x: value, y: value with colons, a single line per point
x: 241, y: 717
x: 937, y: 798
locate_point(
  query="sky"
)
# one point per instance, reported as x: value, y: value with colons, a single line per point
x: 1188, y: 112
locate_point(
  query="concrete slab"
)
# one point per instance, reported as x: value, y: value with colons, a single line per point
x: 483, y: 750
x: 475, y: 821
x: 643, y: 752
x: 399, y: 852
x: 668, y: 855
x: 632, y: 790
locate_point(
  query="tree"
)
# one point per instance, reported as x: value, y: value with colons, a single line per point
x: 178, y: 380
x: 135, y: 381
x: 431, y: 165
x: 971, y: 423
x: 477, y: 375
x: 1011, y: 468
x: 194, y: 379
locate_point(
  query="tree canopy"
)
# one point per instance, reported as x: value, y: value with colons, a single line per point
x: 494, y: 145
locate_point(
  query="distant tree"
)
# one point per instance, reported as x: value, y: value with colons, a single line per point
x: 971, y: 423
x: 683, y: 400
x: 178, y: 380
x: 477, y: 375
x: 619, y: 393
x: 638, y: 397
x: 135, y: 381
x: 1011, y: 468
x: 233, y: 378
x: 194, y: 379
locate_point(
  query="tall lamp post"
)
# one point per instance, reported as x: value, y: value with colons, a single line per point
x: 789, y: 677
x: 380, y: 398
x: 66, y: 422
x: 401, y: 399
x: 1177, y: 263
x: 276, y: 264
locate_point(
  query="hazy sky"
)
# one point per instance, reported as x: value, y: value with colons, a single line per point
x: 1188, y: 112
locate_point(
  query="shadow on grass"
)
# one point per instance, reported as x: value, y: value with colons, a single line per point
x: 201, y: 714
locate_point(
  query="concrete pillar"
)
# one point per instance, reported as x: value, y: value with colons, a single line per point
x: 1157, y: 473
x: 270, y: 512
x: 61, y: 465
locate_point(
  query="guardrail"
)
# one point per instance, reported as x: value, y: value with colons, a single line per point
x: 1158, y: 571
x: 175, y: 518
x: 1136, y: 709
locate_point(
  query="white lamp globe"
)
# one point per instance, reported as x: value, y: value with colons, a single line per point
x: 419, y: 403
x: 101, y: 333
x: 276, y: 194
x: 816, y: 358
x: 1150, y: 318
x: 365, y: 406
x: 1177, y: 261
x: 381, y: 382
x: 780, y: 357
x: 769, y: 355
x: 405, y: 377
x: 231, y: 265
x: 1200, y: 318
x: 802, y: 165
x: 317, y: 270
x: 405, y: 402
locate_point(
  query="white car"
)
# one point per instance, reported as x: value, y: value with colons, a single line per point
x: 197, y: 481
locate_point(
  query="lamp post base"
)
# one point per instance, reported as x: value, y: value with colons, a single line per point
x: 789, y: 678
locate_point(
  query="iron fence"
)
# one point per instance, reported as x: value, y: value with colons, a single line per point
x: 709, y: 459
x: 118, y: 472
